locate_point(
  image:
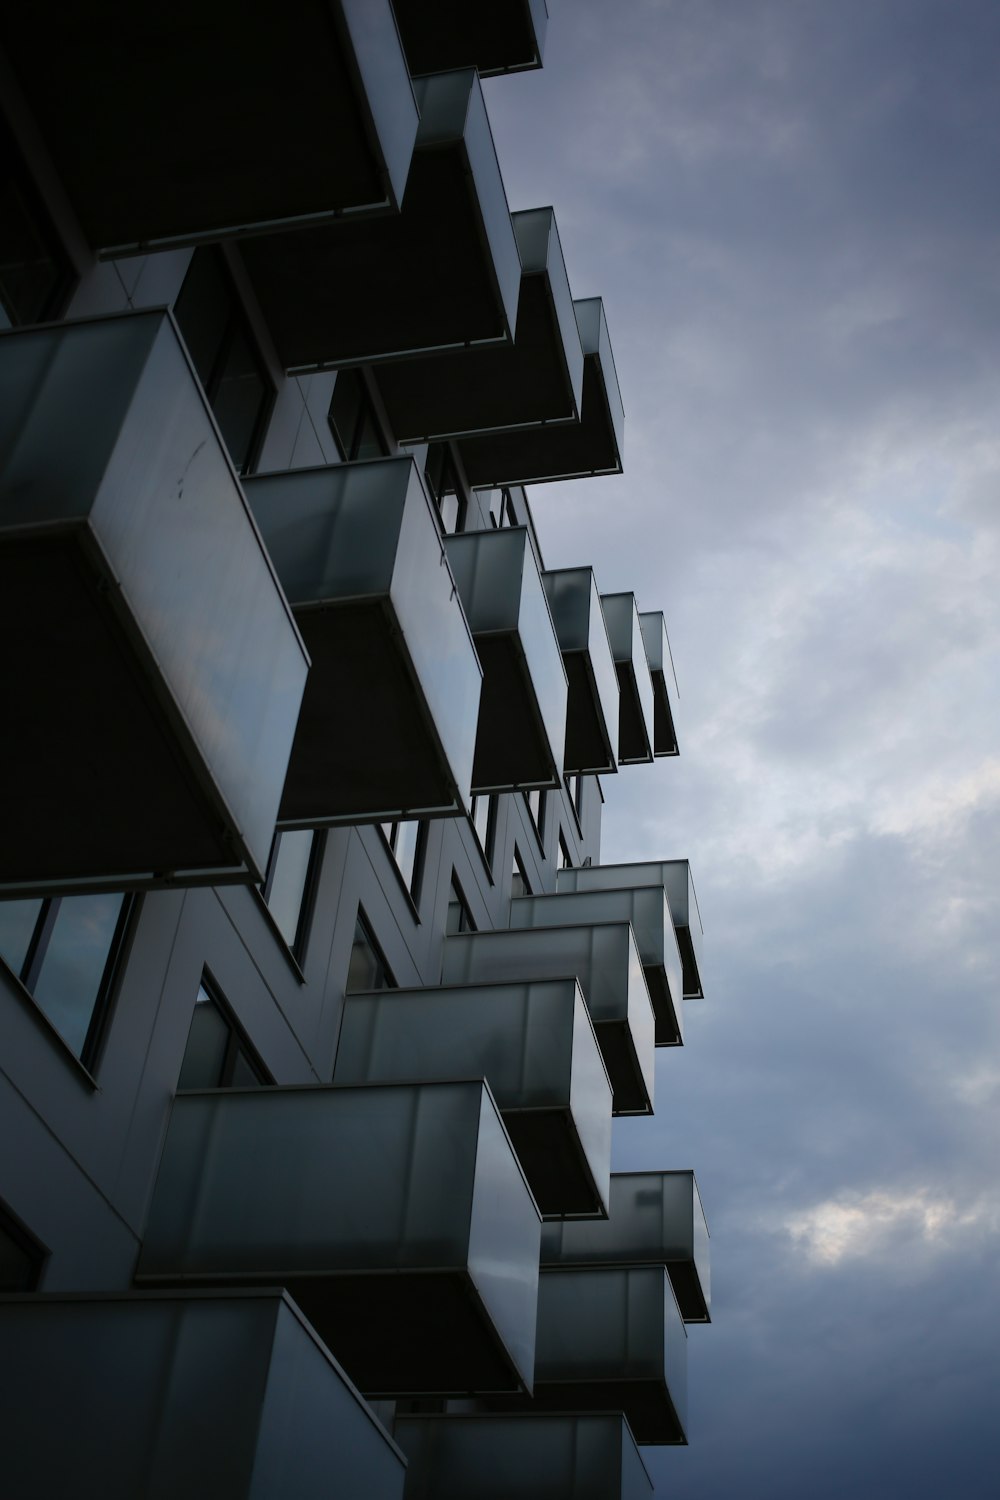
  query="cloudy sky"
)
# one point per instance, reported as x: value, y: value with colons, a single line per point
x: 792, y: 211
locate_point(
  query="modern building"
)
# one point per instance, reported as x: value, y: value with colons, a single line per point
x: 316, y: 1003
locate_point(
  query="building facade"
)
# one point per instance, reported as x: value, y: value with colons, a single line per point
x: 316, y: 1002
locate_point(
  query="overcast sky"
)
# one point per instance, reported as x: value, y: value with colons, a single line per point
x: 792, y: 211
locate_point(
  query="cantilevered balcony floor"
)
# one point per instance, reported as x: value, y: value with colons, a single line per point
x: 569, y: 450
x: 174, y: 123
x: 441, y: 274
x: 388, y: 721
x: 150, y: 661
x: 505, y: 36
x: 535, y: 1046
x: 398, y: 1218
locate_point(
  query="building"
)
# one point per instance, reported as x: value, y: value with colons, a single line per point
x: 316, y: 1001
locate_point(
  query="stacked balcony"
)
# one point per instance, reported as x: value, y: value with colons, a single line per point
x: 522, y: 715
x: 645, y: 908
x: 150, y: 657
x: 593, y: 707
x: 398, y: 1218
x: 535, y: 1046
x: 224, y: 1394
x: 533, y: 1457
x: 673, y: 876
x: 441, y: 274
x: 654, y: 1219
x: 388, y: 722
x: 664, y: 679
x: 636, y: 719
x: 604, y: 960
x: 171, y: 124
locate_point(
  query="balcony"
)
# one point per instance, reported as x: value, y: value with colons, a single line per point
x: 592, y: 715
x: 661, y: 670
x: 645, y: 907
x: 655, y: 1219
x: 522, y: 716
x: 535, y: 1046
x: 504, y: 37
x: 181, y: 125
x: 398, y: 1219
x: 674, y: 876
x: 221, y: 1394
x: 441, y: 274
x: 535, y: 379
x: 150, y: 657
x: 531, y: 1457
x: 611, y: 1339
x: 388, y: 722
x: 605, y: 961
x: 569, y: 450
x: 636, y: 715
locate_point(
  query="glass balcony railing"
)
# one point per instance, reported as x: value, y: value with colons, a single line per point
x: 661, y: 670
x: 195, y: 1399
x: 592, y: 714
x: 535, y: 1046
x: 561, y: 450
x: 441, y: 274
x: 605, y: 961
x: 494, y: 1457
x: 388, y: 723
x: 674, y: 876
x: 331, y: 129
x: 537, y: 378
x: 504, y: 37
x: 150, y: 657
x: 398, y: 1218
x: 522, y: 716
x: 611, y: 1339
x: 645, y: 908
x: 635, y: 720
x: 655, y: 1218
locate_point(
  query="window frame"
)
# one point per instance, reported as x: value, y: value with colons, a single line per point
x: 297, y: 949
x: 237, y: 1042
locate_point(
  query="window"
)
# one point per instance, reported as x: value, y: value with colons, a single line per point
x: 446, y: 491
x: 217, y: 1056
x: 406, y: 844
x: 21, y: 1257
x: 459, y: 916
x: 574, y: 791
x: 535, y: 803
x: 34, y: 272
x: 565, y: 858
x: 367, y: 970
x: 287, y: 887
x: 520, y: 885
x: 483, y: 812
x: 225, y: 355
x: 355, y: 427
x: 502, y: 511
x: 65, y: 950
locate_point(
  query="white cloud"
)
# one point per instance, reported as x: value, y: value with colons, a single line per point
x: 886, y: 1224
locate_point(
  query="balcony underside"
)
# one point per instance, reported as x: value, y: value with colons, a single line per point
x: 589, y: 750
x: 548, y: 1147
x: 504, y: 37
x: 174, y: 123
x: 512, y: 747
x: 365, y: 747
x: 570, y: 450
x: 646, y: 1404
x: 634, y: 747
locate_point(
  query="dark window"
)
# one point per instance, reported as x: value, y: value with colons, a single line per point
x: 520, y: 885
x: 355, y: 427
x: 35, y: 274
x: 288, y: 885
x: 459, y: 916
x: 574, y: 790
x: 65, y: 950
x: 21, y: 1257
x: 217, y: 1055
x: 565, y: 858
x: 406, y: 842
x: 368, y: 970
x: 446, y: 490
x: 502, y: 509
x: 535, y: 803
x: 483, y: 812
x: 224, y: 353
